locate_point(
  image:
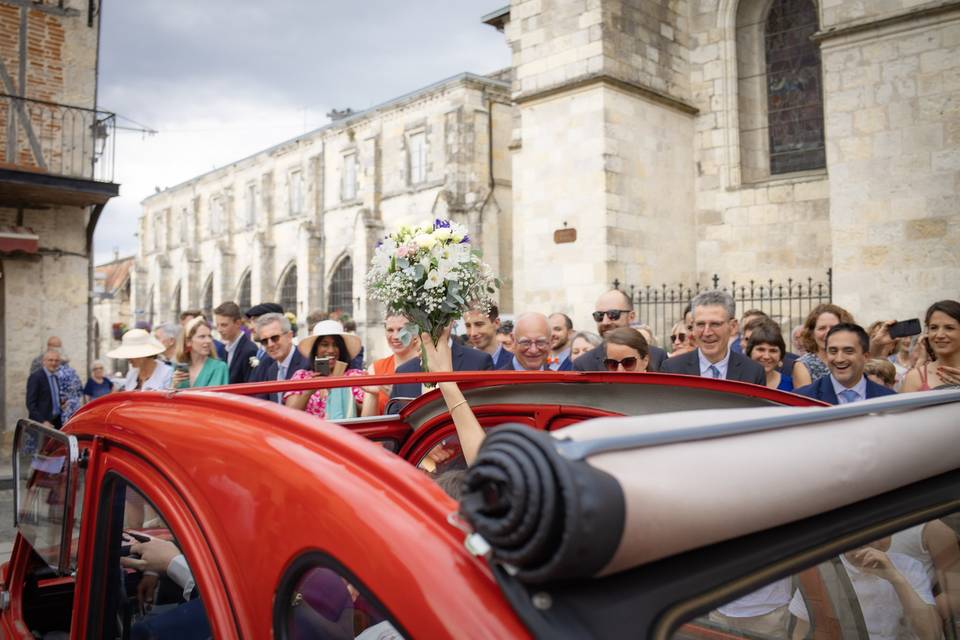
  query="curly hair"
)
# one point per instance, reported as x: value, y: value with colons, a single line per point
x: 810, y: 324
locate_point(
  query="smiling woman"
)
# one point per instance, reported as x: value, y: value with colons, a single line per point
x: 942, y: 342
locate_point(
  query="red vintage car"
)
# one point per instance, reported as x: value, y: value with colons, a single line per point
x: 282, y: 525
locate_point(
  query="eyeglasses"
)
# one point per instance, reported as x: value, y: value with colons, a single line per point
x: 681, y: 337
x: 526, y: 344
x: 629, y: 363
x: 613, y: 314
x: 272, y: 339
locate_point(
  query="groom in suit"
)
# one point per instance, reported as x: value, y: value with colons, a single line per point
x: 282, y: 359
x: 713, y: 315
x: 241, y: 352
x: 848, y: 347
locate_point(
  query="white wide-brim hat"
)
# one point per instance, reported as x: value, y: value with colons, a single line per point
x: 137, y: 343
x: 331, y: 328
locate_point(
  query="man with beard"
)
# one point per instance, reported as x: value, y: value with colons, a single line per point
x: 561, y: 330
x: 614, y: 309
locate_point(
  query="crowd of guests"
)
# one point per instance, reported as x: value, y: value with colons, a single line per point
x: 830, y: 357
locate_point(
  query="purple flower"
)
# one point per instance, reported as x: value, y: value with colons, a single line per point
x: 466, y: 240
x: 441, y: 224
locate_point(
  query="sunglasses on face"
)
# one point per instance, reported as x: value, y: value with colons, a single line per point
x: 629, y: 363
x: 613, y: 314
x: 681, y: 337
x: 271, y: 339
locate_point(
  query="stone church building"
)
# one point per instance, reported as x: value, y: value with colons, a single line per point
x: 666, y: 140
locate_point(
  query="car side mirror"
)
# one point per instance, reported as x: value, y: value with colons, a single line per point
x: 45, y: 474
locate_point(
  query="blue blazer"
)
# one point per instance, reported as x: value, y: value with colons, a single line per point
x: 267, y: 371
x: 39, y: 398
x: 503, y: 359
x: 822, y: 389
x: 240, y: 368
x: 464, y: 359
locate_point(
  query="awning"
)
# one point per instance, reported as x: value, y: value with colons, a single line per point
x: 15, y: 240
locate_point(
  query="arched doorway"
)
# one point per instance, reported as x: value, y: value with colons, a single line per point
x: 288, y: 289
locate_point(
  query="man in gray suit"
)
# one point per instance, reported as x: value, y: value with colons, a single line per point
x: 713, y: 314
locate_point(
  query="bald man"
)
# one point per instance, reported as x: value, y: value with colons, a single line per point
x: 614, y: 309
x: 531, y: 339
x: 53, y: 342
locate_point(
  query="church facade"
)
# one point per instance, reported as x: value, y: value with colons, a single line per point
x: 642, y: 141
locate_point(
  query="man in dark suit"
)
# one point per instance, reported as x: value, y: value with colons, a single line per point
x: 848, y: 348
x: 713, y: 314
x: 282, y: 359
x: 464, y: 359
x: 482, y: 334
x: 43, y: 391
x: 531, y: 340
x: 240, y: 349
x: 614, y: 309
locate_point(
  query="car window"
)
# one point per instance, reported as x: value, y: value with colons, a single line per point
x: 446, y: 455
x: 319, y: 600
x: 906, y: 585
x: 148, y: 589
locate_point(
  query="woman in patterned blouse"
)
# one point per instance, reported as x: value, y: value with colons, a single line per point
x: 328, y: 349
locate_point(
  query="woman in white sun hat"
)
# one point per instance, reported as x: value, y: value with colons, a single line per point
x: 328, y: 348
x: 146, y: 372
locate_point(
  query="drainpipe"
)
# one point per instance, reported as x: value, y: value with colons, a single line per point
x: 95, y: 212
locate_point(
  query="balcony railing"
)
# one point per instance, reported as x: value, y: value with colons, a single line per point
x: 58, y: 139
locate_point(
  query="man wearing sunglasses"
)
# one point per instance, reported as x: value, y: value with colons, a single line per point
x: 713, y: 314
x: 281, y: 360
x: 531, y: 338
x: 614, y: 310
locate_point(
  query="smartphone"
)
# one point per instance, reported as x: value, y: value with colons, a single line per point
x: 139, y: 537
x: 321, y: 366
x: 181, y: 366
x: 905, y: 328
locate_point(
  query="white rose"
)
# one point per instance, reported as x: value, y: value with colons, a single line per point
x: 434, y: 279
x: 425, y: 241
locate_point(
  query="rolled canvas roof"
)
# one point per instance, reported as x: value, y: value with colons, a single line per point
x: 689, y: 479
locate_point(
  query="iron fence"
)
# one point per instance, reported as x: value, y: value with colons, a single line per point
x: 787, y: 303
x: 56, y: 138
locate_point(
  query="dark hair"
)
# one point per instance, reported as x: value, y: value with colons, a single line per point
x: 766, y: 332
x: 754, y: 312
x: 755, y: 322
x: 452, y: 482
x: 493, y: 311
x: 855, y: 329
x: 949, y: 307
x: 506, y: 327
x: 342, y: 352
x: 566, y: 320
x: 350, y: 326
x: 228, y: 310
x: 629, y: 337
x: 190, y: 313
x: 881, y: 368
x: 809, y: 342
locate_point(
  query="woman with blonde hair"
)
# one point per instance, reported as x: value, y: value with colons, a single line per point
x: 197, y: 364
x: 812, y: 365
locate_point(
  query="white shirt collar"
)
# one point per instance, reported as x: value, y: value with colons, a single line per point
x: 285, y: 364
x: 721, y: 366
x: 230, y: 346
x: 860, y: 388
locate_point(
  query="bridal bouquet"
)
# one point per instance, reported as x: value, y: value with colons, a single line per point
x: 431, y: 274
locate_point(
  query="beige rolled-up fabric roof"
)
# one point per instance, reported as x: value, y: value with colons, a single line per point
x: 689, y: 479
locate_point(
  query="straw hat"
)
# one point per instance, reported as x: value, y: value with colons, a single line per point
x: 137, y: 343
x: 331, y: 328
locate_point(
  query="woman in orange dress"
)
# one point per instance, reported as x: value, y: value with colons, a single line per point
x: 375, y: 403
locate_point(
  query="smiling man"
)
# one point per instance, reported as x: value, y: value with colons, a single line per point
x: 613, y: 310
x: 482, y: 333
x: 713, y: 314
x: 531, y: 336
x: 282, y: 360
x: 848, y: 346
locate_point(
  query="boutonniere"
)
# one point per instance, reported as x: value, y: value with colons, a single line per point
x: 254, y: 362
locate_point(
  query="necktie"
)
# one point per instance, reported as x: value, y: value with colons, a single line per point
x: 714, y: 372
x: 281, y: 375
x: 54, y: 392
x: 848, y: 395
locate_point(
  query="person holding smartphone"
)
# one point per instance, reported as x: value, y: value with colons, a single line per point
x: 197, y: 364
x: 942, y: 342
x: 328, y: 348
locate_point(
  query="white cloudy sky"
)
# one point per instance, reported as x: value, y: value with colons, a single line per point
x: 221, y: 79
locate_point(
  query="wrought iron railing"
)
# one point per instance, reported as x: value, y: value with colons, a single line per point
x: 58, y: 139
x: 787, y: 303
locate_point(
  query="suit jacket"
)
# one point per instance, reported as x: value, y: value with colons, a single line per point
x: 464, y: 359
x: 503, y: 359
x: 739, y: 368
x: 39, y: 398
x: 221, y: 349
x: 267, y: 371
x: 507, y: 365
x: 822, y: 389
x: 240, y: 366
x: 593, y: 360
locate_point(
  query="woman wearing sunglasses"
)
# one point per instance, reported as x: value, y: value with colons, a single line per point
x: 626, y: 350
x: 681, y: 339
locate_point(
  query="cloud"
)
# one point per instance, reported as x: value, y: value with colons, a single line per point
x: 222, y: 79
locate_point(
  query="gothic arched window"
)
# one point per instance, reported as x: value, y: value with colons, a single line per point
x: 176, y: 302
x: 288, y: 290
x: 794, y: 96
x: 341, y: 288
x: 244, y: 292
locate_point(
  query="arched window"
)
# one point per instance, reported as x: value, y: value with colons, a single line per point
x: 244, y: 292
x: 341, y: 288
x: 176, y: 302
x: 288, y: 289
x: 780, y: 100
x: 207, y: 298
